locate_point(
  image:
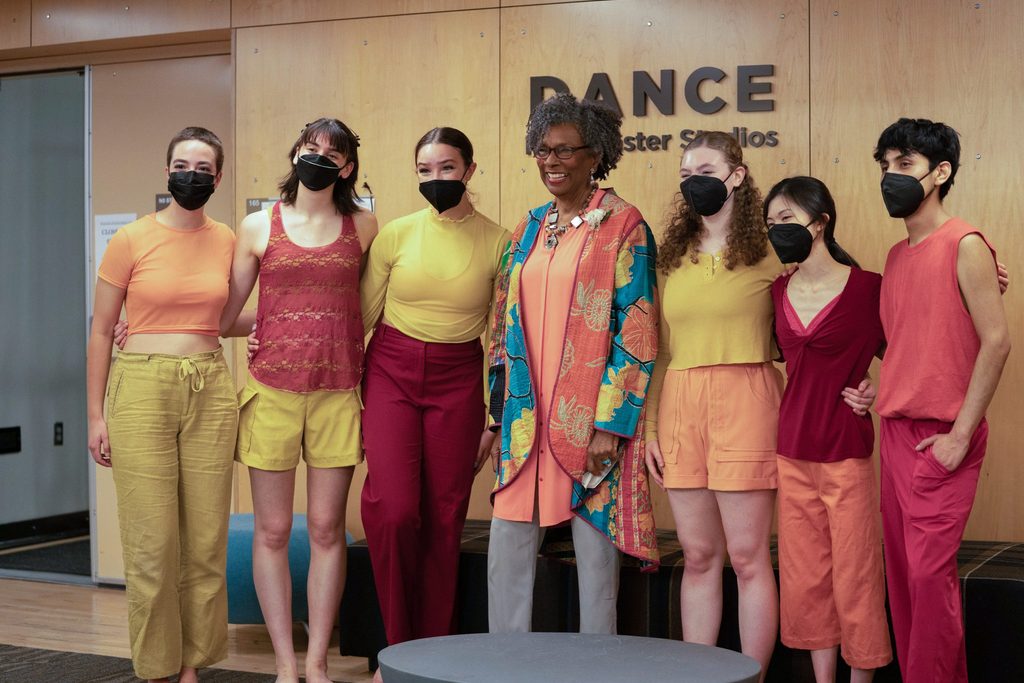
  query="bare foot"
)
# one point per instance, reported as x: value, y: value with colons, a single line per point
x: 287, y: 670
x: 377, y: 677
x: 188, y: 675
x: 317, y: 673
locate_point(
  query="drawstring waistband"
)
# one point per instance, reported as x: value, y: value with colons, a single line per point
x: 186, y: 369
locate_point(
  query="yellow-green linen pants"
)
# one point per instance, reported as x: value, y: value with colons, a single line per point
x: 172, y: 422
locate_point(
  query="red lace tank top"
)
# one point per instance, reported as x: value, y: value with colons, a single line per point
x: 308, y: 319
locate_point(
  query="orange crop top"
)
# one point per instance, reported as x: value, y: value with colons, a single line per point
x: 176, y: 280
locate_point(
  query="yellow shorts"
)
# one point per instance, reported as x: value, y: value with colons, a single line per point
x: 273, y: 425
x: 717, y: 427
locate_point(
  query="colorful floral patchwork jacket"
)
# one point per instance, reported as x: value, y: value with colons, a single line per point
x: 608, y: 356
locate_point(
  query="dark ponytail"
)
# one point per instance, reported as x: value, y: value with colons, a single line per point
x: 813, y: 197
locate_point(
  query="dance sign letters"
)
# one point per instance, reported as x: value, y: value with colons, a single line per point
x: 752, y: 94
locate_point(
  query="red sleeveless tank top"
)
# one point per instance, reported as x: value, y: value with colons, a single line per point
x: 932, y: 341
x: 308, y: 318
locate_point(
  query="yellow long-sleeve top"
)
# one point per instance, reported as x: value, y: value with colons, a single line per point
x: 711, y: 315
x: 431, y: 277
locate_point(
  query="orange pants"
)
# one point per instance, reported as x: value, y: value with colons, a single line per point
x: 830, y: 560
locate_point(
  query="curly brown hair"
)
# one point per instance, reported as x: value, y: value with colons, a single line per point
x: 747, y: 242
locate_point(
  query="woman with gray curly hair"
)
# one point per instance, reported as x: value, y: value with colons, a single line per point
x: 572, y: 349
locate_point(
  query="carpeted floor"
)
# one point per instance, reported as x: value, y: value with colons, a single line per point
x: 61, y: 558
x: 29, y: 665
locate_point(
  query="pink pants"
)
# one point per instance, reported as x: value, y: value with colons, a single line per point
x: 924, y: 511
x: 423, y: 416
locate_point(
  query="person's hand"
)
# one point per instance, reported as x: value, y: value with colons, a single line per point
x: 655, y: 463
x: 496, y: 450
x: 252, y: 344
x: 786, y: 270
x: 601, y: 453
x: 862, y: 398
x: 949, y: 450
x: 99, y: 442
x: 1003, y: 276
x: 484, y: 451
x: 120, y: 333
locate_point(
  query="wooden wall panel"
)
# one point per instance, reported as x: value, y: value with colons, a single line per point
x: 521, y: 3
x: 654, y: 35
x: 38, y: 62
x: 15, y: 24
x: 267, y: 12
x: 75, y: 21
x: 873, y: 61
x: 390, y: 89
x: 136, y: 109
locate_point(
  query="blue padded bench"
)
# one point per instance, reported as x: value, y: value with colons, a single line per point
x: 243, y: 605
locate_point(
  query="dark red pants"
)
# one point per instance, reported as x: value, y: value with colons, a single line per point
x: 924, y: 511
x: 422, y: 420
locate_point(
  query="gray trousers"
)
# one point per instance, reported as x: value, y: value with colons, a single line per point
x: 512, y: 567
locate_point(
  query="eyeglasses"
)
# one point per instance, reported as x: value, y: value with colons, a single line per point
x: 562, y: 151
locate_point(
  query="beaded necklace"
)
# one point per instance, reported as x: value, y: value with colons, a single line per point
x: 554, y: 230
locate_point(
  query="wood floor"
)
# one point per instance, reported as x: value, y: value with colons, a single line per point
x: 94, y: 620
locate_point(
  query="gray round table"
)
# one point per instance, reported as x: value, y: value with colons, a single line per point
x: 561, y: 657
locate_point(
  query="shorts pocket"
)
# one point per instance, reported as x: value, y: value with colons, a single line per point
x: 248, y: 399
x: 765, y: 384
x: 746, y: 455
x: 669, y: 418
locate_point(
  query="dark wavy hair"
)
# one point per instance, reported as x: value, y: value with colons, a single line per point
x: 341, y: 138
x: 202, y: 135
x: 935, y: 141
x: 598, y: 124
x: 445, y: 135
x: 813, y: 197
x: 747, y: 242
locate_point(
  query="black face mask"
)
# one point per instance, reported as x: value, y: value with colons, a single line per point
x: 902, y: 194
x: 791, y: 241
x: 443, y: 194
x: 316, y: 172
x: 191, y: 189
x: 705, y: 193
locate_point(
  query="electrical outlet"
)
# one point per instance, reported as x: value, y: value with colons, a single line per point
x: 58, y: 433
x: 10, y: 440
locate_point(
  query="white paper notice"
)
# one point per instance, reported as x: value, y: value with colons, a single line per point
x: 106, y: 225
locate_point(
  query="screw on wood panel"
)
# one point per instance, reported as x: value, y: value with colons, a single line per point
x: 782, y: 15
x: 835, y: 13
x: 522, y: 170
x: 255, y: 50
x: 782, y: 161
x: 481, y: 34
x: 977, y: 5
x: 255, y: 179
x: 977, y: 156
x: 650, y: 164
x: 366, y: 42
x: 835, y: 160
x: 650, y: 23
x: 126, y: 8
x: 47, y: 16
x: 522, y: 31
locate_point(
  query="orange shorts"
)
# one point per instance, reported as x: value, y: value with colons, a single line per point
x: 717, y: 427
x: 830, y: 560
